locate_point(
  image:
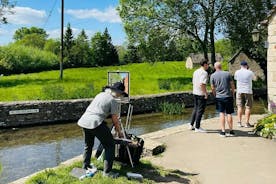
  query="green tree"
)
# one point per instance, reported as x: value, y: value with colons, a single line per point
x: 5, y: 8
x: 33, y: 40
x: 243, y: 18
x: 198, y: 19
x: 23, y: 31
x: 53, y: 46
x: 68, y: 44
x: 103, y: 51
x: 224, y: 47
x: 81, y: 51
x: 132, y: 55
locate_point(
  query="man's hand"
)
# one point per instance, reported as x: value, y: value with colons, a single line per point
x: 120, y: 134
x: 206, y: 96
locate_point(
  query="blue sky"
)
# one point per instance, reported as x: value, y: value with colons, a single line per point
x: 90, y: 15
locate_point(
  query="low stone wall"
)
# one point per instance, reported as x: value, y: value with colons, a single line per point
x: 14, y: 114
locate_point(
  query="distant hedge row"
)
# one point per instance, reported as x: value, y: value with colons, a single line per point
x: 16, y: 59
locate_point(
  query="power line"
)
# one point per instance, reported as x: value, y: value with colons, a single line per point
x: 50, y: 14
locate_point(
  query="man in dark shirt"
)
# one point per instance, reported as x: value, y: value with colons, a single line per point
x: 223, y: 89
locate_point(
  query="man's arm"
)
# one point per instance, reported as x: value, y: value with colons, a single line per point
x: 204, y: 90
x: 213, y: 90
x: 116, y: 123
x: 232, y: 87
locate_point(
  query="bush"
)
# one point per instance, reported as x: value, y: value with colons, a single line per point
x: 266, y: 127
x: 83, y: 92
x: 54, y: 92
x: 21, y: 59
x: 172, y: 108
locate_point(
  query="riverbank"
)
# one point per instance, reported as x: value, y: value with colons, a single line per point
x: 16, y: 114
x: 219, y: 160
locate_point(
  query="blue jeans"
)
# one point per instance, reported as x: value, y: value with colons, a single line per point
x: 199, y: 108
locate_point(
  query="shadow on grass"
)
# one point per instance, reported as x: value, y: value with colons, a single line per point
x: 26, y: 81
x: 174, y: 83
x: 158, y: 174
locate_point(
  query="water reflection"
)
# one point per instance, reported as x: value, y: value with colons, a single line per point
x: 27, y: 150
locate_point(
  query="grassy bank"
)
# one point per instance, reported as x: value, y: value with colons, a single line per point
x: 151, y: 174
x: 146, y: 78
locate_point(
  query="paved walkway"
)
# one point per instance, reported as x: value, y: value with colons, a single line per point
x: 243, y: 159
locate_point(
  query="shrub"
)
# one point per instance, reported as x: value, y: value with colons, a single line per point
x: 164, y: 84
x: 54, y: 92
x: 21, y: 59
x: 172, y: 108
x: 266, y: 127
x: 83, y: 92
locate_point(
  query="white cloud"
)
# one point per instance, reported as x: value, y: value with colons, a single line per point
x: 55, y: 33
x: 110, y: 14
x: 26, y: 15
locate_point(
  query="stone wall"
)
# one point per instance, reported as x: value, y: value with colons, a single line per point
x: 271, y: 62
x: 14, y: 114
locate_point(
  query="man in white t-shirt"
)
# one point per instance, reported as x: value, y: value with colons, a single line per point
x: 244, y: 96
x: 200, y: 79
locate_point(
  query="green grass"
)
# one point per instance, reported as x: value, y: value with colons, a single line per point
x: 145, y: 78
x: 151, y: 174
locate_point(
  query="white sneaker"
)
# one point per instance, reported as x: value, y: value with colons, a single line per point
x: 200, y: 130
x: 190, y: 127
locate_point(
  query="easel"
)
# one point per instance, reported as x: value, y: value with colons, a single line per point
x: 128, y: 122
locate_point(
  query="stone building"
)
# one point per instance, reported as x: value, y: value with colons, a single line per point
x: 193, y: 59
x: 271, y: 60
x: 234, y: 64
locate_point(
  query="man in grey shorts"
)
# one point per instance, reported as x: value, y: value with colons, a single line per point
x: 223, y: 89
x: 244, y: 97
x: 93, y: 125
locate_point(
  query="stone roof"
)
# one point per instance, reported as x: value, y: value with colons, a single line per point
x: 196, y: 58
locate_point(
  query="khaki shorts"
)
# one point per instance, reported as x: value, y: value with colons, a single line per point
x: 244, y: 99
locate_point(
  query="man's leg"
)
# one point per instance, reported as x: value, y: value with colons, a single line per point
x: 222, y: 121
x: 104, y: 135
x: 239, y: 102
x: 239, y: 113
x: 194, y: 110
x: 248, y: 106
x: 200, y: 112
x: 88, y: 146
x: 230, y: 121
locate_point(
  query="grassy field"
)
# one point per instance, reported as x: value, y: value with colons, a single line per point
x: 145, y: 78
x: 152, y: 174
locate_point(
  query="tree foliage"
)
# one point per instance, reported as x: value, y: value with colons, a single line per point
x: 145, y: 20
x: 103, y: 51
x: 68, y: 45
x: 80, y: 51
x: 24, y: 31
x: 5, y: 9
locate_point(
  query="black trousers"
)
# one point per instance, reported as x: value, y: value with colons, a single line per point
x: 199, y: 108
x: 102, y: 132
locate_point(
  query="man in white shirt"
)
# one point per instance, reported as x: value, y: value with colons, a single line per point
x: 200, y: 79
x: 244, y: 96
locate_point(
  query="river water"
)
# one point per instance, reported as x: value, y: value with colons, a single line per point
x: 27, y: 150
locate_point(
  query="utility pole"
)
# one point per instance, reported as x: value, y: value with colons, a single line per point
x: 62, y: 44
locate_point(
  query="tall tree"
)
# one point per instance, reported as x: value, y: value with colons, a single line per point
x: 68, y: 44
x: 53, y: 46
x: 198, y: 19
x: 103, y: 51
x: 81, y: 51
x: 5, y: 8
x: 244, y: 16
x: 24, y: 31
